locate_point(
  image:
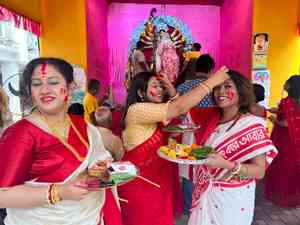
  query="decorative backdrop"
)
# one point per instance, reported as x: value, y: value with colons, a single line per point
x: 202, y: 21
x: 161, y: 22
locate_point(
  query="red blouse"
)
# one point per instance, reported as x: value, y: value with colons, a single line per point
x: 27, y: 152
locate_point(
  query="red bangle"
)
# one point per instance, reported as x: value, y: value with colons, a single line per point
x: 49, y: 194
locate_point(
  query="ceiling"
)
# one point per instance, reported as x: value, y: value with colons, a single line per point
x: 178, y: 2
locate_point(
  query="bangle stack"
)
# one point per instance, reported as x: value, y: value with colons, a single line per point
x: 53, y: 196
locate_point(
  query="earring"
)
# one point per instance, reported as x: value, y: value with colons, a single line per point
x: 66, y: 103
x: 140, y: 95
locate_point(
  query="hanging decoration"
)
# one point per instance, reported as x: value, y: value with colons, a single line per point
x: 20, y: 21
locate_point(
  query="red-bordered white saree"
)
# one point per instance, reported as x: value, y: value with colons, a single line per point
x: 230, y: 202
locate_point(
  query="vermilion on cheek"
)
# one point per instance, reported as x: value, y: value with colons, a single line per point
x: 231, y: 94
x: 63, y: 93
x: 152, y: 93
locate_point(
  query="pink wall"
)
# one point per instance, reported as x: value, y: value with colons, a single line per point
x: 236, y: 35
x: 97, y: 47
x: 203, y: 21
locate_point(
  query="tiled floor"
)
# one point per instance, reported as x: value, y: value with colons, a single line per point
x: 268, y: 214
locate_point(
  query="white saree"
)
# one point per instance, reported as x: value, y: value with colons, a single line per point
x: 220, y: 201
x: 67, y: 212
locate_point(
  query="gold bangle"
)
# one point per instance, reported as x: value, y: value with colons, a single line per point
x: 204, y: 88
x: 208, y: 87
x: 94, y: 173
x: 244, y: 172
x: 48, y: 194
x: 55, y: 198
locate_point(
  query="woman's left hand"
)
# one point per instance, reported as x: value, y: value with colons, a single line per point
x: 217, y: 161
x: 167, y: 84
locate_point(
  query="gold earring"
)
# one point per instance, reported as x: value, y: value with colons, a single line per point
x: 66, y: 104
x: 140, y: 95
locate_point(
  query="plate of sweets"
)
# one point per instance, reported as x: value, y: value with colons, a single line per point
x: 118, y: 173
x: 184, y: 154
x: 181, y: 128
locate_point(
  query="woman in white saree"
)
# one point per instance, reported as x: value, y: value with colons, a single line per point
x: 224, y: 188
x: 46, y: 157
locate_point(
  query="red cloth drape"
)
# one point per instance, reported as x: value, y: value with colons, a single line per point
x: 20, y: 21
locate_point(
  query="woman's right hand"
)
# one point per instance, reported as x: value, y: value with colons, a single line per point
x: 272, y: 118
x: 273, y: 110
x: 75, y: 190
x: 218, y: 77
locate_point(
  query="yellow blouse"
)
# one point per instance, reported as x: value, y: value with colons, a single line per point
x: 90, y: 105
x: 192, y: 55
x: 141, y: 122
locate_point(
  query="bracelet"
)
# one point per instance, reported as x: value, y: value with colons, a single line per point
x: 94, y: 173
x: 234, y: 165
x: 53, y: 194
x: 236, y: 169
x: 244, y: 174
x: 208, y: 87
x: 175, y: 96
x: 205, y: 88
x: 49, y: 199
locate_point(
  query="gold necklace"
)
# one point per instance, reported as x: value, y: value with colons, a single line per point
x: 55, y: 132
x: 60, y: 129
